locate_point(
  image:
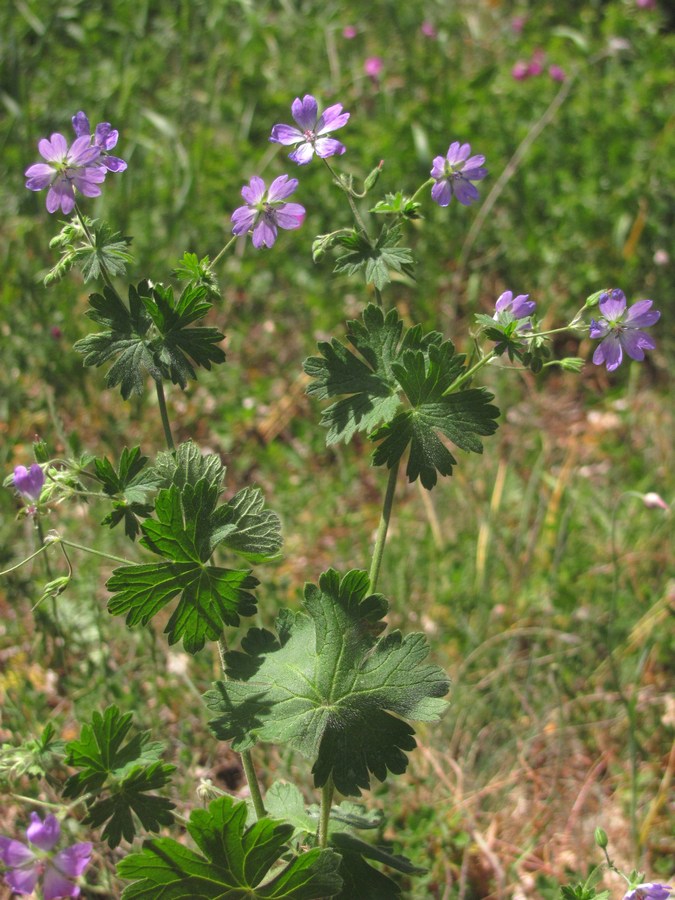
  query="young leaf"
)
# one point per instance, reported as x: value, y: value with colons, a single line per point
x: 246, y: 527
x: 378, y: 260
x: 125, y: 337
x: 188, y: 465
x: 37, y: 758
x: 117, y: 776
x: 129, y: 487
x: 234, y: 862
x: 460, y: 416
x: 199, y: 273
x: 329, y: 688
x: 107, y: 250
x: 184, y: 534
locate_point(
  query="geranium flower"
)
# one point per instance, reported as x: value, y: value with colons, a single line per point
x: 266, y: 210
x: 77, y: 166
x: 650, y: 890
x: 618, y: 329
x: 311, y: 135
x: 27, y: 864
x: 508, y: 308
x: 454, y: 174
x: 105, y: 138
x: 373, y: 66
x: 28, y: 482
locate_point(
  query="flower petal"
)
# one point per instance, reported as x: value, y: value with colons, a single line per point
x: 264, y: 234
x: 254, y: 191
x: 503, y: 301
x: 457, y: 152
x: 39, y: 176
x: 609, y: 352
x: 290, y: 216
x: 598, y: 329
x: 243, y: 218
x: 331, y: 119
x: 72, y: 861
x: 641, y: 314
x: 44, y: 835
x: 286, y: 134
x: 441, y: 192
x: 438, y: 167
x: 325, y: 147
x: 305, y: 112
x: 612, y: 304
x: 55, y: 885
x: 61, y: 195
x: 53, y: 150
x: 81, y: 124
x: 113, y: 163
x: 465, y: 192
x: 23, y: 881
x: 15, y: 853
x: 281, y: 187
x: 303, y: 154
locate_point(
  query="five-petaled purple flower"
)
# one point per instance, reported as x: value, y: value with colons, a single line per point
x: 649, y: 890
x: 266, y: 210
x: 311, y: 135
x: 28, y: 482
x: 77, y: 166
x: 508, y: 308
x: 105, y: 138
x: 26, y: 864
x: 618, y: 329
x: 454, y: 173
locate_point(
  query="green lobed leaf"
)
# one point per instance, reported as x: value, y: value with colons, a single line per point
x: 129, y: 487
x: 198, y: 272
x: 107, y: 251
x: 234, y: 862
x: 244, y: 526
x: 117, y: 775
x: 377, y: 261
x: 209, y: 596
x: 327, y: 686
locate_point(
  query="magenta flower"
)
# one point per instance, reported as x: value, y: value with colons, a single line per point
x: 646, y: 4
x: 536, y: 66
x: 518, y: 23
x: 105, y: 138
x: 454, y: 174
x: 77, y: 166
x: 349, y: 32
x: 556, y: 73
x: 618, y: 329
x: 311, y: 135
x: 373, y: 66
x: 27, y: 864
x: 428, y: 30
x: 28, y: 482
x: 650, y: 890
x: 520, y: 70
x: 509, y: 308
x: 266, y: 210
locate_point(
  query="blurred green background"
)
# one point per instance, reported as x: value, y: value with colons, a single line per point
x: 528, y: 565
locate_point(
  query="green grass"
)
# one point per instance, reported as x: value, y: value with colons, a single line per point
x: 541, y: 584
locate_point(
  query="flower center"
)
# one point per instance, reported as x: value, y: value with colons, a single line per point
x: 309, y: 135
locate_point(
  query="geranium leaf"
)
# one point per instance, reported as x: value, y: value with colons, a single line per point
x: 233, y: 862
x: 327, y: 686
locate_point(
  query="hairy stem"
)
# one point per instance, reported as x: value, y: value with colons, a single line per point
x: 383, y: 527
x: 246, y: 756
x: 161, y: 400
x: 109, y: 556
x: 326, y: 802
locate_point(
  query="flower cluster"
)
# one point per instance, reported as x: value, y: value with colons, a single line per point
x: 28, y: 863
x: 523, y: 69
x: 83, y: 165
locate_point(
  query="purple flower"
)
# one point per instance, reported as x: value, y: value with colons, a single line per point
x: 518, y: 23
x: 28, y: 482
x: 428, y: 30
x: 520, y: 70
x: 509, y: 308
x: 618, y: 329
x: 265, y: 210
x: 311, y: 135
x: 556, y: 73
x: 536, y: 66
x: 454, y: 174
x: 349, y: 32
x: 373, y: 66
x: 77, y: 166
x: 649, y: 890
x: 26, y: 864
x: 105, y: 138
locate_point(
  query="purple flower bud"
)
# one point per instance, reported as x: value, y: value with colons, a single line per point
x: 28, y: 482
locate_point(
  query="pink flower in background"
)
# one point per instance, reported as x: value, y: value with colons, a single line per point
x: 646, y: 4
x: 556, y: 73
x: 349, y: 32
x: 518, y: 23
x: 428, y: 29
x: 536, y: 66
x: 373, y: 66
x: 520, y: 70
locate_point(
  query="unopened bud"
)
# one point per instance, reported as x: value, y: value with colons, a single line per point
x: 652, y: 500
x: 371, y: 179
x: 572, y: 364
x: 601, y: 838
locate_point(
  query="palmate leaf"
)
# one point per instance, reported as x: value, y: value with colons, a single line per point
x: 393, y: 367
x: 117, y: 775
x: 184, y: 534
x: 368, y: 379
x: 129, y: 487
x: 234, y: 862
x: 327, y: 686
x: 107, y: 251
x: 378, y: 261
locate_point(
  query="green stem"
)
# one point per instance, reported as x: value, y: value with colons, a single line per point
x: 469, y: 373
x: 24, y: 561
x: 161, y: 400
x: 91, y: 550
x: 326, y: 803
x: 350, y: 200
x: 224, y: 250
x: 380, y: 540
x: 246, y: 756
x: 422, y: 187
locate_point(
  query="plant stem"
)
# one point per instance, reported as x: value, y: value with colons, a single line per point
x: 161, y: 400
x: 326, y: 803
x: 224, y: 250
x: 246, y: 756
x: 24, y: 561
x: 383, y: 527
x: 350, y: 200
x: 91, y: 550
x: 469, y: 373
